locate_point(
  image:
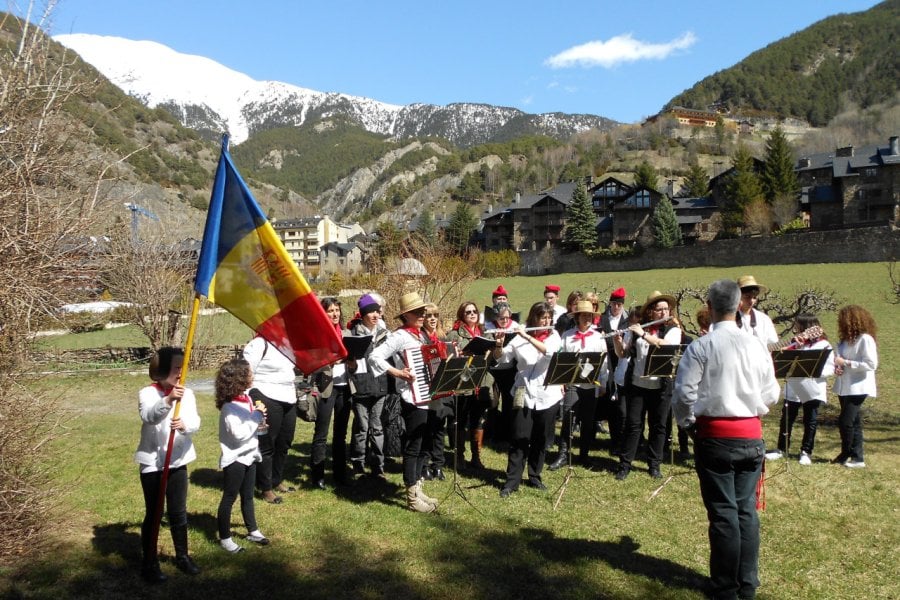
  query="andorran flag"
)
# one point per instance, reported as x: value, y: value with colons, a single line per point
x: 245, y: 269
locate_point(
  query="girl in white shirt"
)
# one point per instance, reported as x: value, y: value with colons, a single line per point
x: 810, y: 393
x: 535, y: 405
x: 855, y: 364
x: 157, y: 405
x: 239, y: 421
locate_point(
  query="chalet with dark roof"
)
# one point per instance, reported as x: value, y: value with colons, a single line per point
x: 851, y: 186
x: 531, y: 222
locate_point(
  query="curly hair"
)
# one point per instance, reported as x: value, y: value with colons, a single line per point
x: 232, y: 379
x: 853, y: 321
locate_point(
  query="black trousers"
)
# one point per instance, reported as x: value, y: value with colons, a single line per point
x: 274, y: 445
x: 529, y: 434
x: 239, y: 480
x: 581, y: 404
x: 414, y: 442
x: 176, y: 504
x: 339, y: 404
x: 638, y: 402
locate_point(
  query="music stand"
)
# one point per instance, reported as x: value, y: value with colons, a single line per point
x: 462, y: 374
x: 797, y: 363
x: 662, y: 361
x: 569, y: 368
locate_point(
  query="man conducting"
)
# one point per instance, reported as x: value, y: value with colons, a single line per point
x: 724, y: 385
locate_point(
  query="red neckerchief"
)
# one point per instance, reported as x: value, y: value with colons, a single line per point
x: 160, y: 388
x: 582, y: 335
x: 414, y: 331
x: 473, y: 332
x: 243, y: 399
x: 542, y: 335
x: 432, y: 337
x: 652, y: 330
x: 337, y: 327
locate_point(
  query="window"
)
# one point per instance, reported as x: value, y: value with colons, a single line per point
x: 641, y: 199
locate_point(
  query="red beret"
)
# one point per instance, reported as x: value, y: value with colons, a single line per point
x: 500, y: 291
x: 618, y: 294
x: 551, y: 288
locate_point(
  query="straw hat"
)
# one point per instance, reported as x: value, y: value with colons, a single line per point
x: 749, y: 281
x: 584, y: 306
x: 657, y: 296
x: 410, y: 302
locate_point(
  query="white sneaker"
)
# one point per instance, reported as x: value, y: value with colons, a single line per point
x: 774, y: 455
x: 855, y: 464
x: 805, y: 459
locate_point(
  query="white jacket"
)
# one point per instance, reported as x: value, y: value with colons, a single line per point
x: 238, y: 425
x: 156, y: 418
x: 859, y: 373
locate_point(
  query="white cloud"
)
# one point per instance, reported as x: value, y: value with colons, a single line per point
x: 527, y: 100
x: 619, y: 49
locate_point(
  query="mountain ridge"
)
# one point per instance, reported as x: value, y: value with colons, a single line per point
x: 212, y: 98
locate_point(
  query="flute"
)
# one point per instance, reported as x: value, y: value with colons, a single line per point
x: 516, y: 330
x: 643, y: 325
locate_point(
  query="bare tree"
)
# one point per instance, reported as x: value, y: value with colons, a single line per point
x: 48, y: 192
x: 152, y: 275
x: 894, y: 295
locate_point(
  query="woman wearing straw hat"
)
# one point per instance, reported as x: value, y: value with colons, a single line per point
x: 383, y: 360
x: 645, y: 394
x: 754, y: 321
x: 580, y: 398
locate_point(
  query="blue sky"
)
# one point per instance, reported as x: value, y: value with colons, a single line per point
x: 620, y: 59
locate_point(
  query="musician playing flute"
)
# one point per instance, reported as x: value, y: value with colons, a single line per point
x: 388, y: 358
x: 581, y: 398
x: 644, y: 395
x: 534, y: 404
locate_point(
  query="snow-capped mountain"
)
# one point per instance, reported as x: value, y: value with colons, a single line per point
x: 208, y: 96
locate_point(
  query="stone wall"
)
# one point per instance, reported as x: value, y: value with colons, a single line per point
x: 206, y: 357
x: 863, y: 244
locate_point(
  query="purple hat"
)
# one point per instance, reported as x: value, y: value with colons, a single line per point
x: 368, y: 304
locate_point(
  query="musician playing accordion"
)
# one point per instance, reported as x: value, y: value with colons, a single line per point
x: 390, y: 358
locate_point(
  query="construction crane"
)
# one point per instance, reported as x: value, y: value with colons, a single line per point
x: 137, y: 211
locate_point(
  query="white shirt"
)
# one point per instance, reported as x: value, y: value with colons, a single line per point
x: 238, y: 425
x: 379, y: 362
x: 532, y: 369
x: 505, y: 361
x: 859, y: 373
x: 273, y: 372
x: 764, y: 330
x: 558, y: 311
x: 804, y: 389
x: 156, y: 418
x: 672, y: 338
x: 594, y: 342
x: 725, y: 373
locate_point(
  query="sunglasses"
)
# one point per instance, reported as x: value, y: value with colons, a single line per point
x: 471, y: 312
x: 432, y: 315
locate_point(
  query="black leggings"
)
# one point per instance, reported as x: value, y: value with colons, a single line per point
x: 239, y: 479
x: 176, y: 502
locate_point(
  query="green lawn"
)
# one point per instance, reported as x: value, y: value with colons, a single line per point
x: 828, y: 532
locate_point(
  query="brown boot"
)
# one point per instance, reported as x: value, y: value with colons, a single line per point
x: 415, y: 503
x: 421, y: 493
x: 477, y: 440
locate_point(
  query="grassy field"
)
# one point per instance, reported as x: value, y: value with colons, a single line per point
x: 827, y: 532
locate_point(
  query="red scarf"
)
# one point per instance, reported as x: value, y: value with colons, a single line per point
x: 160, y: 388
x: 580, y: 336
x: 542, y: 335
x: 244, y: 399
x: 473, y: 332
x: 415, y: 332
x: 432, y: 337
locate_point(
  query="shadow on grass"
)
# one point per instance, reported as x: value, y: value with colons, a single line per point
x: 461, y: 563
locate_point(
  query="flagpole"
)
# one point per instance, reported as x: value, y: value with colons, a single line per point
x: 164, y: 480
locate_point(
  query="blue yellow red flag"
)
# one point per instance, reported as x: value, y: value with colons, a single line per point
x: 245, y: 269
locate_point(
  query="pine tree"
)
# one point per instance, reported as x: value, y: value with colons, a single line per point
x: 645, y: 176
x: 581, y: 232
x: 697, y: 182
x: 741, y: 190
x: 666, y: 230
x: 461, y: 226
x: 426, y: 230
x: 778, y: 176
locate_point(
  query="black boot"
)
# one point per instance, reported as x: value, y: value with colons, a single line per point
x: 150, y: 570
x: 561, y: 459
x: 317, y: 476
x: 183, y: 561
